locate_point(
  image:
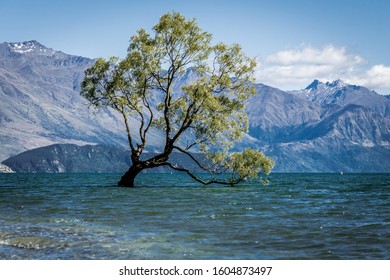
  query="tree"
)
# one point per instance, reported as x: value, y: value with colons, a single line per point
x: 208, y: 110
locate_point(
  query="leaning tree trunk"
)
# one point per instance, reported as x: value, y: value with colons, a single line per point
x: 128, y: 178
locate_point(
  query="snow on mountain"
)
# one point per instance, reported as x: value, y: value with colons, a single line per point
x: 29, y: 47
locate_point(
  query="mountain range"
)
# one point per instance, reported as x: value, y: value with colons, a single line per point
x: 41, y: 104
x: 326, y: 127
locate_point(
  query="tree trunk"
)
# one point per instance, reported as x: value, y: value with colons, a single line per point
x: 127, y: 179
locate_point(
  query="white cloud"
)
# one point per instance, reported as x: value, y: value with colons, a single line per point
x: 296, y: 68
x: 378, y: 76
x: 328, y: 55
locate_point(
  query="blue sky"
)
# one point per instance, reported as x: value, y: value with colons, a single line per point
x: 294, y: 41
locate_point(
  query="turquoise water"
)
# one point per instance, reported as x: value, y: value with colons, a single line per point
x: 296, y: 216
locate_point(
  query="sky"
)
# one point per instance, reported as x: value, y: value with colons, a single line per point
x: 294, y: 42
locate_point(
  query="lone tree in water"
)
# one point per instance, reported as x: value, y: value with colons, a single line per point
x: 205, y: 114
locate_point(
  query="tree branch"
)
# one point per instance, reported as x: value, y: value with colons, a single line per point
x: 193, y: 176
x: 147, y: 105
x: 192, y: 157
x: 128, y: 131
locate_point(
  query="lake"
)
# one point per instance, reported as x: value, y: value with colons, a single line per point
x: 169, y: 216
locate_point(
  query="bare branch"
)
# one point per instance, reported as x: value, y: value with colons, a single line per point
x: 147, y: 105
x: 193, y: 158
x: 128, y: 131
x: 196, y: 143
x: 196, y: 178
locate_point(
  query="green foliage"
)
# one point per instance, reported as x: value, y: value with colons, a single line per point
x: 209, y: 109
x: 249, y: 164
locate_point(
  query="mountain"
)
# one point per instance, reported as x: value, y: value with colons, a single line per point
x: 326, y: 127
x: 339, y: 94
x: 71, y: 158
x: 274, y: 114
x: 41, y: 104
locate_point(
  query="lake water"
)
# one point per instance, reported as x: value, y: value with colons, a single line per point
x: 296, y: 216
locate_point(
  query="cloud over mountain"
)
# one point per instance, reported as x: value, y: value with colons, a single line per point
x: 295, y: 68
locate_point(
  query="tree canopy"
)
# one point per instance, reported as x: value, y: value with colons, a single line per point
x: 203, y: 111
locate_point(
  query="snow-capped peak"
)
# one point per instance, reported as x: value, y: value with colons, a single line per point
x: 336, y: 83
x: 313, y: 85
x: 339, y: 92
x: 29, y: 47
x: 316, y: 84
